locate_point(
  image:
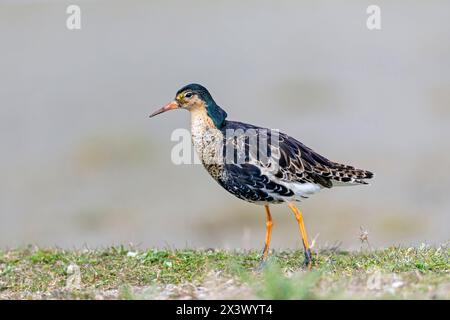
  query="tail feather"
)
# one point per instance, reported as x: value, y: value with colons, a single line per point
x: 347, y: 175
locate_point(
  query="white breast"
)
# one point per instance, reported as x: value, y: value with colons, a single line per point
x: 206, y: 138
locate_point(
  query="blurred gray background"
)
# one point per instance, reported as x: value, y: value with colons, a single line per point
x: 82, y: 164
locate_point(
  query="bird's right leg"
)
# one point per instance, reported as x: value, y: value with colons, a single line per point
x: 269, y: 224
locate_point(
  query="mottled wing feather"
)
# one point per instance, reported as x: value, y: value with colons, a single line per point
x: 298, y: 163
x: 307, y: 165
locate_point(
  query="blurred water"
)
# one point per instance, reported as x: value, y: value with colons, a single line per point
x: 82, y: 164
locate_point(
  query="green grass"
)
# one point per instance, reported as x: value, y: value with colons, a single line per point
x: 127, y: 273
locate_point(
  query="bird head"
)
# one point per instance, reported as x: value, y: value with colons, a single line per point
x: 195, y: 97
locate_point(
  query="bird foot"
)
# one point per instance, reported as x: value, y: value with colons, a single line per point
x: 308, y: 258
x: 262, y: 264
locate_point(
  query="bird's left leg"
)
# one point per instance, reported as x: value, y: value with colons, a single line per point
x: 301, y: 224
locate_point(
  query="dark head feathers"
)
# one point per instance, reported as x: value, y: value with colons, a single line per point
x: 216, y: 113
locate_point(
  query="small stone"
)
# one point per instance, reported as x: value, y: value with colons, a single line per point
x: 73, y: 280
x: 374, y: 282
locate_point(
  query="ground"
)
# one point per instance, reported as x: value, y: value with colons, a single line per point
x: 129, y: 273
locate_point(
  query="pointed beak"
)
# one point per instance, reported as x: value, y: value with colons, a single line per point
x: 170, y: 106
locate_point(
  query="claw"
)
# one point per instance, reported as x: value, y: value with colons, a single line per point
x: 308, y: 258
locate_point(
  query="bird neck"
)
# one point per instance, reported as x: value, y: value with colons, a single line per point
x: 206, y: 137
x: 201, y: 122
x: 216, y: 113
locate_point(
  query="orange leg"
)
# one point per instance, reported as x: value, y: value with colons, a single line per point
x: 269, y: 224
x: 301, y: 225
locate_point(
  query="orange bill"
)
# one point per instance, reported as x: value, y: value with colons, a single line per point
x: 170, y: 106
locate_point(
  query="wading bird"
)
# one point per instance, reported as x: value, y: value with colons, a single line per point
x: 285, y: 172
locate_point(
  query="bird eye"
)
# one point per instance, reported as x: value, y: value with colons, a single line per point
x: 188, y: 95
